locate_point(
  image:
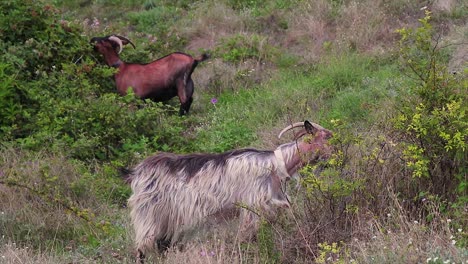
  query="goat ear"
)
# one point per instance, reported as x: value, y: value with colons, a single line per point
x: 310, y: 128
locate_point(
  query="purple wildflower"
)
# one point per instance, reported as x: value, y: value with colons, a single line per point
x: 214, y: 100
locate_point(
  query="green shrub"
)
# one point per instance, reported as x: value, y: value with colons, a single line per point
x: 8, y: 99
x: 433, y: 119
x: 62, y: 98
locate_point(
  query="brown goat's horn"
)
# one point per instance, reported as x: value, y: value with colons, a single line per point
x: 125, y: 40
x: 118, y: 41
x: 297, y: 124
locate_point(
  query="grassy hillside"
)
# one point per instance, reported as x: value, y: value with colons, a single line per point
x: 379, y: 74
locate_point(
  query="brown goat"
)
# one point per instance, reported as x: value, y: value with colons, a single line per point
x: 159, y: 80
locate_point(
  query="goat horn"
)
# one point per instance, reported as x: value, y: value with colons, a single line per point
x: 126, y: 39
x: 297, y: 124
x: 118, y: 41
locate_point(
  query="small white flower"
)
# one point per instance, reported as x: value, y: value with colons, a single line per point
x: 459, y: 230
x: 389, y: 215
x: 428, y: 259
x: 449, y: 220
x: 451, y: 237
x: 374, y: 237
x: 447, y: 261
x: 453, y: 242
x: 416, y: 222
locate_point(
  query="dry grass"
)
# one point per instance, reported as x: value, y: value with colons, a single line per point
x: 211, y: 21
x: 27, y: 200
x: 396, y: 238
x: 11, y: 254
x: 309, y: 27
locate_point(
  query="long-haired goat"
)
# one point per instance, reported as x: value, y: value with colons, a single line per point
x: 159, y: 80
x: 172, y: 193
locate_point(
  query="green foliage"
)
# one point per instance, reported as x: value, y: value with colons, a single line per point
x: 327, y: 179
x: 37, y: 43
x: 62, y: 98
x: 433, y: 119
x: 7, y: 99
x: 437, y: 127
x: 331, y: 253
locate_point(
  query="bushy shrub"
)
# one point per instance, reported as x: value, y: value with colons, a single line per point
x: 433, y: 119
x: 57, y: 94
x: 8, y: 99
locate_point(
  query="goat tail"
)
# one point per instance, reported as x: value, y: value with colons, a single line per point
x: 197, y: 60
x: 202, y: 57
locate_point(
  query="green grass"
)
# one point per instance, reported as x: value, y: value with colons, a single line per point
x: 349, y: 88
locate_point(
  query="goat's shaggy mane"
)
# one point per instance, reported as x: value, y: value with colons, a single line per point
x: 193, y: 163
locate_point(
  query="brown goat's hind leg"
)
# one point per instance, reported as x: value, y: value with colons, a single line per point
x: 185, y: 93
x: 185, y: 107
